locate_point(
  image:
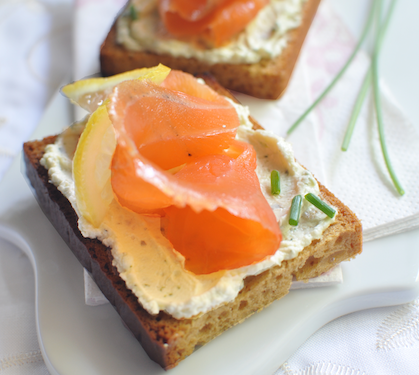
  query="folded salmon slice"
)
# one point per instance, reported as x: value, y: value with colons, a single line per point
x: 191, y: 10
x: 215, y: 22
x: 242, y: 229
x: 177, y: 157
x: 166, y: 129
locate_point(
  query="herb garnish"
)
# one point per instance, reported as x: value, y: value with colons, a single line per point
x: 295, y: 210
x: 371, y: 77
x: 133, y: 13
x: 322, y: 206
x: 275, y: 182
x: 342, y: 71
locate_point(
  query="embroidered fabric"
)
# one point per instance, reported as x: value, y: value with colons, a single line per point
x: 377, y: 341
x: 19, y: 348
x: 36, y: 40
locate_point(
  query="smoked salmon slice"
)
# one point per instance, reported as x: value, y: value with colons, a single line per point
x: 214, y: 22
x: 191, y: 10
x: 167, y: 128
x: 177, y: 157
x: 241, y: 231
x: 188, y: 84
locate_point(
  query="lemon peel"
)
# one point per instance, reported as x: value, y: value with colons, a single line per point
x: 97, y: 143
x: 90, y: 93
x: 91, y: 167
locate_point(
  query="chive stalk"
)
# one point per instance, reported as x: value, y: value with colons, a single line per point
x: 275, y: 182
x: 341, y: 72
x: 295, y: 211
x: 133, y: 13
x: 357, y: 109
x: 378, y: 109
x: 322, y: 206
x: 367, y: 81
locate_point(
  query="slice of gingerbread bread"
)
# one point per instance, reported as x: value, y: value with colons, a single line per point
x: 167, y: 340
x: 266, y: 79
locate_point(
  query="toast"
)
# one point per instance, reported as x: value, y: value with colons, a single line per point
x: 167, y: 340
x: 266, y: 79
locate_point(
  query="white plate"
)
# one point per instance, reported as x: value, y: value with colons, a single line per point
x: 80, y: 339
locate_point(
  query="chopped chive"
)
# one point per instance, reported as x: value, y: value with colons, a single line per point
x: 275, y: 182
x: 378, y: 109
x: 133, y: 13
x: 340, y: 74
x: 322, y: 206
x: 295, y: 210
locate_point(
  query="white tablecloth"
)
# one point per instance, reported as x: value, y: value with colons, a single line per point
x: 36, y: 44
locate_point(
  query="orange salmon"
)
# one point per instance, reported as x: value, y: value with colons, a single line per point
x: 215, y: 22
x: 177, y: 157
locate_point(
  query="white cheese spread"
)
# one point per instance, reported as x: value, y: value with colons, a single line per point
x: 264, y: 37
x: 144, y: 257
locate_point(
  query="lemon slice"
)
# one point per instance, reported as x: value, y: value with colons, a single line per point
x: 91, y: 167
x: 96, y: 146
x: 90, y: 93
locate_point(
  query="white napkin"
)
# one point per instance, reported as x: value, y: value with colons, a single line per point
x: 35, y: 38
x: 359, y: 177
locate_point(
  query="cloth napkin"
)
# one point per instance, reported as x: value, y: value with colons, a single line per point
x: 35, y: 37
x: 36, y: 54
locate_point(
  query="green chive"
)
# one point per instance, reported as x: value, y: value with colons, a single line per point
x: 295, y: 210
x: 378, y: 109
x: 367, y: 81
x: 322, y: 206
x: 275, y: 182
x: 357, y: 109
x: 340, y: 74
x: 133, y: 13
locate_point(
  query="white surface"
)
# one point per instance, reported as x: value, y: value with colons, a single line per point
x: 93, y: 339
x: 348, y: 345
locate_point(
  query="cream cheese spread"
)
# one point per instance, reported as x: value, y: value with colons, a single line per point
x: 145, y: 259
x: 264, y: 37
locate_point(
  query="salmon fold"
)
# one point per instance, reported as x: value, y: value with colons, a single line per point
x: 177, y: 157
x: 212, y: 21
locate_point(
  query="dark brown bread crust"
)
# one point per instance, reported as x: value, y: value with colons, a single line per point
x: 267, y: 79
x: 166, y: 340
